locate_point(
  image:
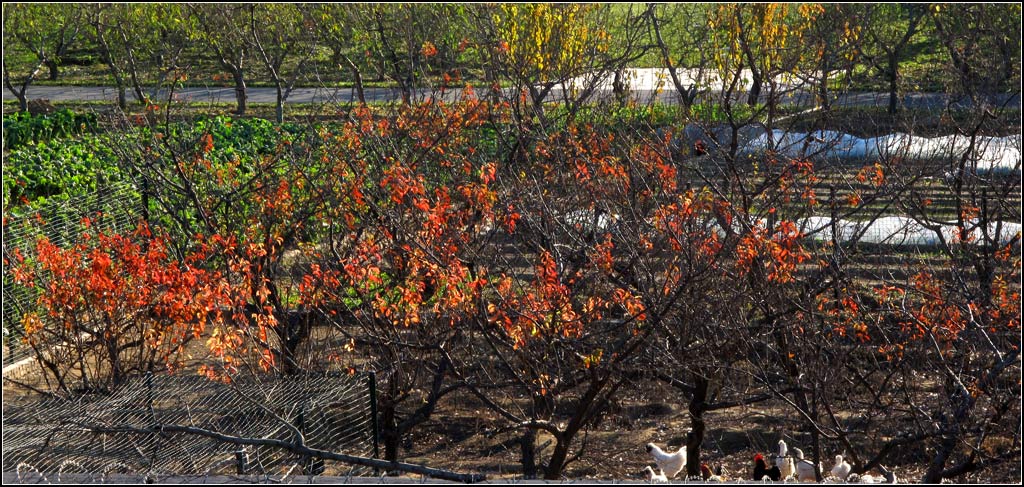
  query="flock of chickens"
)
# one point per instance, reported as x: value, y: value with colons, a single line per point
x: 786, y: 468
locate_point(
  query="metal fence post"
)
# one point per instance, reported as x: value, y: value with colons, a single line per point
x: 372, y: 382
x: 241, y: 460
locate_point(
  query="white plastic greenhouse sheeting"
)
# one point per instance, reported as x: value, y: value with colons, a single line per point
x: 1001, y: 155
x: 893, y: 230
x: 888, y: 230
x: 901, y: 230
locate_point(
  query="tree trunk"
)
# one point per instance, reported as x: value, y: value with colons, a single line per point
x: 240, y: 95
x: 823, y: 91
x: 357, y: 78
x: 279, y: 112
x: 800, y: 398
x: 934, y: 473
x: 755, y: 87
x: 116, y: 374
x: 23, y: 93
x: 619, y: 87
x: 145, y: 193
x: 696, y: 437
x: 537, y: 100
x: 816, y: 448
x: 122, y: 96
x: 541, y: 409
x: 686, y: 96
x: 389, y: 435
x: 528, y: 444
x: 115, y: 70
x: 406, y: 91
x: 557, y: 462
x: 54, y: 69
x: 133, y: 71
x: 292, y: 330
x: 390, y: 439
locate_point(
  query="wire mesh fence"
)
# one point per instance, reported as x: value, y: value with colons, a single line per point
x: 160, y: 427
x: 113, y: 207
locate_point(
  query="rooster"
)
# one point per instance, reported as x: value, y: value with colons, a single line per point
x: 655, y: 477
x: 841, y: 469
x: 784, y: 463
x: 669, y: 463
x: 805, y: 469
x: 761, y: 469
x: 705, y: 473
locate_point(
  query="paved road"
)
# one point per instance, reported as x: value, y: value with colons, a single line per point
x: 344, y: 95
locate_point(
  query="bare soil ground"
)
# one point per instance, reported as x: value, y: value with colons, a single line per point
x: 464, y: 436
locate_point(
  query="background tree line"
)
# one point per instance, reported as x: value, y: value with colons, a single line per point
x: 139, y: 48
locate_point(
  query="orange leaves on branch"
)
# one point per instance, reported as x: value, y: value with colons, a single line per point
x: 552, y: 307
x: 885, y: 293
x: 511, y: 216
x: 128, y: 286
x: 206, y: 143
x: 406, y: 263
x: 685, y: 223
x: 602, y: 255
x: 935, y: 312
x: 428, y: 49
x: 541, y: 310
x: 844, y: 313
x: 266, y: 360
x: 875, y: 174
x: 1006, y: 310
x: 32, y: 325
x: 633, y: 305
x: 778, y: 253
x: 318, y: 286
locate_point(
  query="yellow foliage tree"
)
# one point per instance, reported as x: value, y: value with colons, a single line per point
x: 545, y: 44
x: 765, y: 38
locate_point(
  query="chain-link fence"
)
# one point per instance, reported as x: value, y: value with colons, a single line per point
x: 165, y: 426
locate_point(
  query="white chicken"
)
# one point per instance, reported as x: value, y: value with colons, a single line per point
x: 805, y: 469
x: 841, y: 469
x: 669, y: 463
x: 784, y: 463
x: 655, y: 477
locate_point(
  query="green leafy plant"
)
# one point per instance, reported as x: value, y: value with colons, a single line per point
x: 22, y: 128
